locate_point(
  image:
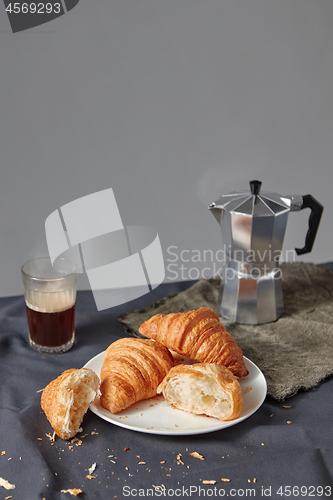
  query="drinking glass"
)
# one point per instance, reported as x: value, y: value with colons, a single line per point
x: 50, y: 295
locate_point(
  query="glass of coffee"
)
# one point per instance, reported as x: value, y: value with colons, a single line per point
x: 50, y: 295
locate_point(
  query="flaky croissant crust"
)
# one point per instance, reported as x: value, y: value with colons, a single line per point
x: 199, y: 335
x: 132, y: 370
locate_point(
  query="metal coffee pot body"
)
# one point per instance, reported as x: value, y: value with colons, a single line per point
x: 253, y: 226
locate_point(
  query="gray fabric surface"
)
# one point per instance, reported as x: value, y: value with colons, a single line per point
x: 296, y: 351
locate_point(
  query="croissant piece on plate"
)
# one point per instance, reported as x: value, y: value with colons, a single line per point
x: 132, y: 370
x: 198, y: 335
x: 65, y: 400
x: 203, y: 388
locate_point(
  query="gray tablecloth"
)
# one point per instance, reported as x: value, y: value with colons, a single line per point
x: 281, y: 445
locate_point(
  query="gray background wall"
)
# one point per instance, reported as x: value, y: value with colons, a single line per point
x: 170, y: 103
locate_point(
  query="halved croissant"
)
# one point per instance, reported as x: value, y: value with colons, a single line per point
x: 132, y: 370
x: 65, y: 400
x: 203, y: 388
x: 198, y: 335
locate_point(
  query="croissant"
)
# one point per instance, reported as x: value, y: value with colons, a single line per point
x: 132, y: 370
x: 198, y: 335
x: 203, y: 388
x: 65, y: 400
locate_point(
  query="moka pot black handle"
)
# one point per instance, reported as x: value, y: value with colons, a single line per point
x: 314, y: 221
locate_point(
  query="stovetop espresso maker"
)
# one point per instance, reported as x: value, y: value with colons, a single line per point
x: 253, y: 225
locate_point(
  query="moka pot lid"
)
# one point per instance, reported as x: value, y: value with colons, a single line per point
x: 254, y: 203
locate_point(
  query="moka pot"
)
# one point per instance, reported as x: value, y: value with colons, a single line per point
x: 253, y: 225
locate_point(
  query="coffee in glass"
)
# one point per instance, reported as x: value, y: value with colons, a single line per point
x: 50, y: 295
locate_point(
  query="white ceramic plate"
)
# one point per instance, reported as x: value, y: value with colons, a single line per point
x: 156, y: 416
